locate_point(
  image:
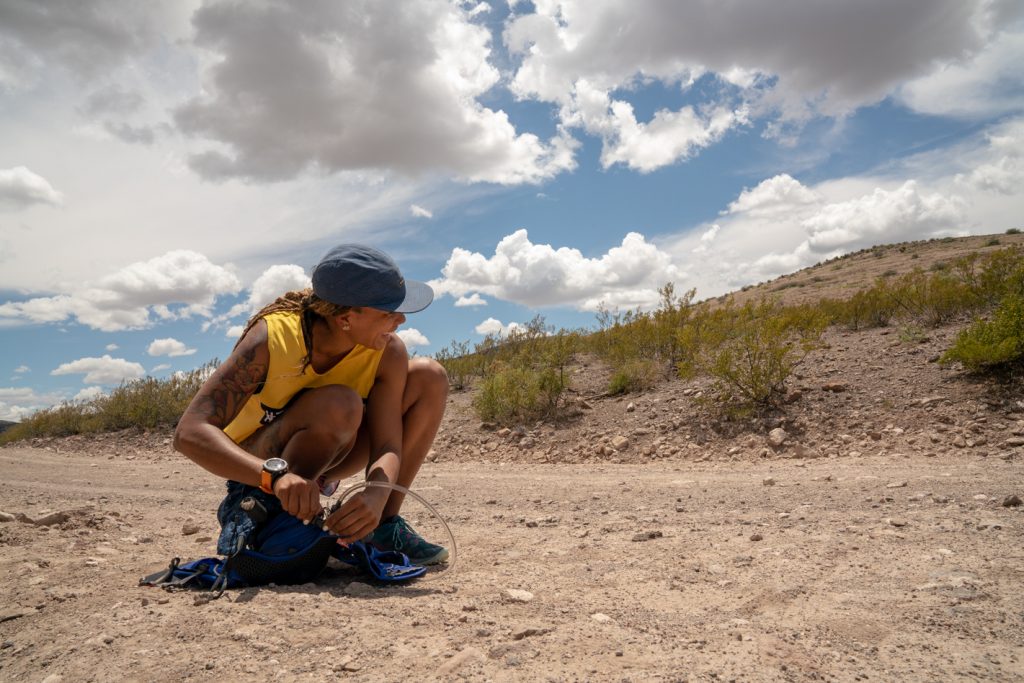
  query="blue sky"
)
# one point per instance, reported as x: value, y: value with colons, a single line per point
x: 168, y: 167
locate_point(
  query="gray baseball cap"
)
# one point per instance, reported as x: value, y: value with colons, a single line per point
x: 358, y: 275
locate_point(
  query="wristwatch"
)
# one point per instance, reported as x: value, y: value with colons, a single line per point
x: 273, y: 469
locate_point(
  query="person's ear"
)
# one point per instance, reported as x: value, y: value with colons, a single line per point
x: 343, y: 321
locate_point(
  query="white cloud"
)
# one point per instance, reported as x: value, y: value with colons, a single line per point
x: 356, y: 85
x: 124, y: 299
x: 169, y: 347
x: 882, y: 216
x: 473, y: 299
x: 776, y: 194
x: 782, y: 225
x: 493, y: 326
x: 112, y: 347
x: 20, y: 187
x: 22, y: 369
x: 235, y: 331
x: 17, y: 403
x: 105, y: 370
x: 271, y: 284
x: 419, y: 212
x: 413, y: 337
x: 783, y: 61
x: 159, y: 368
x: 87, y: 394
x: 540, y: 275
x: 986, y: 83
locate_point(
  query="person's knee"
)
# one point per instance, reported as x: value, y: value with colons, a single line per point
x: 335, y: 409
x: 430, y: 377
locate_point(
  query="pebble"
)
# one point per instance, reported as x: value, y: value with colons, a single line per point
x: 768, y: 481
x: 896, y: 485
x: 52, y: 519
x: 7, y: 517
x: 189, y: 528
x: 756, y: 537
x: 517, y: 595
x: 1014, y: 441
x: 529, y: 631
x: 981, y: 496
x: 834, y: 387
x: 1011, y: 501
x: 600, y: 617
x: 647, y: 536
x: 897, y: 522
x: 777, y: 437
x: 630, y: 408
x: 620, y: 443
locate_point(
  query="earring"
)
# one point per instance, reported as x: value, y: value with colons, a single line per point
x: 346, y: 327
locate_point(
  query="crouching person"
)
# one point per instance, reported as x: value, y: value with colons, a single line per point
x: 318, y: 388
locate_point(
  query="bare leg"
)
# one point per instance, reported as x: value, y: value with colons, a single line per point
x: 316, y: 432
x: 423, y: 404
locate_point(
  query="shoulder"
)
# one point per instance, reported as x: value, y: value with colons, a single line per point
x: 394, y: 359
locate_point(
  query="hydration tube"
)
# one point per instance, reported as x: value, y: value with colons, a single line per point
x: 449, y: 564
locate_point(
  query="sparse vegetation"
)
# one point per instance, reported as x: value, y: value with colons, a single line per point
x: 142, y: 404
x: 748, y: 350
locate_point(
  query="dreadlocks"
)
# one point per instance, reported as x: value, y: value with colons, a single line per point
x: 309, y: 306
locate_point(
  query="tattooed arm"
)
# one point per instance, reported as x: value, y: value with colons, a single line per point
x: 200, y: 433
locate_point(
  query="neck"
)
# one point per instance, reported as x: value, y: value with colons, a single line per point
x: 330, y: 342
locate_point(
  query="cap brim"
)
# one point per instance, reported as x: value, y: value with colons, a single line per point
x: 418, y: 295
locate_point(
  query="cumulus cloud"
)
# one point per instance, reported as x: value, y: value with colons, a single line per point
x: 787, y: 60
x: 882, y: 216
x: 1003, y: 172
x: 126, y: 298
x: 776, y: 194
x: 354, y: 85
x: 493, y: 326
x: 20, y: 187
x: 418, y: 211
x: 235, y: 331
x: 540, y: 275
x: 413, y: 337
x: 104, y: 370
x: 17, y: 403
x: 160, y: 367
x: 22, y: 369
x: 271, y: 284
x: 87, y: 394
x: 473, y: 299
x: 169, y: 347
x: 112, y: 347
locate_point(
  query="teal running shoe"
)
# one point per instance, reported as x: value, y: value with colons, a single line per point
x: 394, y: 533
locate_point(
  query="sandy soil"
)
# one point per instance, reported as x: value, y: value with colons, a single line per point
x: 871, y: 568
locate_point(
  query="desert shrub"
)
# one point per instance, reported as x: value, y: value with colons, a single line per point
x: 932, y: 299
x: 867, y: 308
x: 142, y: 404
x: 750, y: 350
x: 635, y: 375
x: 994, y: 242
x: 995, y: 345
x: 1013, y: 231
x: 523, y: 376
x: 458, y: 363
x: 511, y: 394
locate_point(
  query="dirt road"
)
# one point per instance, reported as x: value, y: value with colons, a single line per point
x: 881, y: 569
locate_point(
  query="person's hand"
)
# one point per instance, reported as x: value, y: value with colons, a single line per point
x: 298, y: 496
x: 359, y: 516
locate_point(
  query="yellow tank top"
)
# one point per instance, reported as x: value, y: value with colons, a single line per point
x: 287, y: 349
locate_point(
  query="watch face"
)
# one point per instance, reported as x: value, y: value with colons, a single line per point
x: 275, y: 465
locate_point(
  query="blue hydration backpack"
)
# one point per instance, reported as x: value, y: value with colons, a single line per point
x: 263, y: 544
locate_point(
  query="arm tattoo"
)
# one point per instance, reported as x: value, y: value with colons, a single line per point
x: 224, y: 394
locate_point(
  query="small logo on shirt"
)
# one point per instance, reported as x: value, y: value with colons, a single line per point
x: 269, y: 414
